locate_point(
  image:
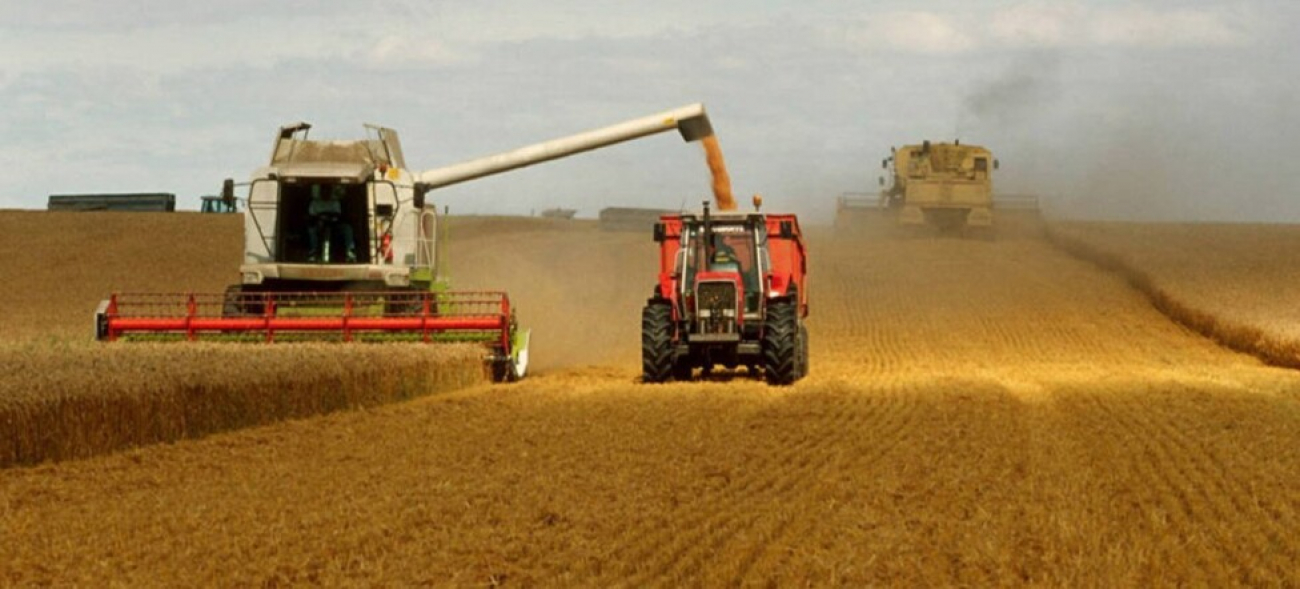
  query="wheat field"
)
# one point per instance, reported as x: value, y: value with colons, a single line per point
x: 978, y: 413
x: 1231, y: 282
x: 64, y: 396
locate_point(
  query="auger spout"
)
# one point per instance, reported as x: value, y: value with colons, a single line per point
x: 691, y: 121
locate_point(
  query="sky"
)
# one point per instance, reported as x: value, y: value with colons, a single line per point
x: 1144, y: 110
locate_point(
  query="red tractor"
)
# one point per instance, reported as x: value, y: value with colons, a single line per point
x: 733, y: 292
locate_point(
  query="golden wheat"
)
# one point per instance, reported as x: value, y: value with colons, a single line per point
x: 60, y: 401
x: 63, y: 396
x: 979, y: 413
x: 1228, y: 282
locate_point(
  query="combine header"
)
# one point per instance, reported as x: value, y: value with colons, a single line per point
x: 340, y: 244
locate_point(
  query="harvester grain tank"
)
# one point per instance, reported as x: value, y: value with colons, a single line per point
x: 732, y: 291
x: 341, y: 241
x: 948, y: 186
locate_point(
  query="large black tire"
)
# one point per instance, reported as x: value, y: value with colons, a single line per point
x: 407, y: 304
x: 503, y: 370
x: 803, y: 350
x: 238, y: 303
x: 780, y: 343
x: 657, y: 342
x: 230, y: 306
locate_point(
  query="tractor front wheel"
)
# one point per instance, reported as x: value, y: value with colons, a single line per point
x: 657, y: 342
x: 781, y: 348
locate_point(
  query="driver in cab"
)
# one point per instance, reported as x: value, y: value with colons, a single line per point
x: 326, y: 215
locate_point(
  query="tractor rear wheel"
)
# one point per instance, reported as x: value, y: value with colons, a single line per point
x: 803, y: 350
x: 657, y: 342
x: 780, y: 343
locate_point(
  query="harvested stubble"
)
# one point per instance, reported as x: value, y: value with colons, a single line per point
x: 1234, y: 283
x: 60, y: 401
x: 978, y: 414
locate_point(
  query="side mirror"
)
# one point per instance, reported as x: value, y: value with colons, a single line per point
x: 995, y: 164
x: 228, y: 192
x: 384, y: 210
x: 884, y: 163
x: 787, y: 230
x: 881, y: 180
x: 660, y: 232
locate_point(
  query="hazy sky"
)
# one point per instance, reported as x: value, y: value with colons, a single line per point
x: 1156, y: 110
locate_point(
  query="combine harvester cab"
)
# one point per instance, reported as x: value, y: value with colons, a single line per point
x: 733, y: 292
x: 341, y: 243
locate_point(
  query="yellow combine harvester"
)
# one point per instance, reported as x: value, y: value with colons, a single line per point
x: 948, y: 186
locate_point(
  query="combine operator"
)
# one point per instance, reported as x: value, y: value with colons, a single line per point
x: 326, y: 213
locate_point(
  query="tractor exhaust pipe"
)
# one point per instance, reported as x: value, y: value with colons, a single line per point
x: 708, y: 237
x: 691, y: 121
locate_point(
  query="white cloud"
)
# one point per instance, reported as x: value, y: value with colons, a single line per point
x: 404, y: 50
x: 1138, y: 27
x: 1078, y: 25
x: 1049, y: 25
x: 1046, y: 25
x: 912, y: 32
x: 802, y: 94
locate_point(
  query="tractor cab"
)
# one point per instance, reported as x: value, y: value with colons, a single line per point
x: 731, y: 292
x: 729, y: 250
x: 217, y: 204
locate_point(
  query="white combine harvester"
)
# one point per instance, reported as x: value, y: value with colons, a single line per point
x: 341, y: 242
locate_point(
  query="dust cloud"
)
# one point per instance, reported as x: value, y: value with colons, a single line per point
x: 1159, y: 138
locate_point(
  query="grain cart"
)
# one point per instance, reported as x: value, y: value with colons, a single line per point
x: 733, y: 292
x: 341, y: 243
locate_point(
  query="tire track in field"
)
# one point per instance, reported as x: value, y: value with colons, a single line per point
x: 712, y: 525
x: 1221, y: 492
x: 1191, y: 512
x: 719, y: 519
x: 766, y: 556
